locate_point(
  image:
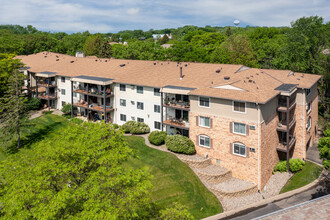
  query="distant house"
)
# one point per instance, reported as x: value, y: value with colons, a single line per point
x: 160, y: 36
x: 166, y: 46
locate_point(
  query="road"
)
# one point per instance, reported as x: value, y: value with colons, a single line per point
x: 320, y: 190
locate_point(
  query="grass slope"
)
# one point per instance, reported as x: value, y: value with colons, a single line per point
x: 32, y: 132
x: 173, y: 180
x: 308, y: 174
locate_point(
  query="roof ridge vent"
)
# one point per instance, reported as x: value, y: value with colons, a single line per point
x: 242, y: 68
x: 122, y: 65
x: 226, y: 78
x: 291, y: 73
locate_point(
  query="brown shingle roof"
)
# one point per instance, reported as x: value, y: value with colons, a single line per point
x: 258, y: 84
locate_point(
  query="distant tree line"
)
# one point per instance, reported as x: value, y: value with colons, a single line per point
x: 301, y: 47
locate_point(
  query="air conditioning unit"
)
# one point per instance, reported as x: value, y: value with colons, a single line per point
x: 133, y: 118
x: 132, y: 102
x: 132, y: 86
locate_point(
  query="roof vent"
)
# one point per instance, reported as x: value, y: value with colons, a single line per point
x: 226, y: 78
x: 106, y: 61
x: 291, y: 73
x: 154, y: 64
x: 57, y: 59
x: 45, y: 56
x: 186, y: 65
x: 122, y: 65
x: 181, y: 73
x: 71, y: 61
x: 218, y: 70
x: 95, y: 60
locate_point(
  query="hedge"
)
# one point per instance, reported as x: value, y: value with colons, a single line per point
x: 157, y: 137
x: 295, y: 165
x: 134, y: 127
x: 180, y: 144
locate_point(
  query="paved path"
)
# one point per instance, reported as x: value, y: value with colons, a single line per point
x: 313, y: 154
x: 320, y: 190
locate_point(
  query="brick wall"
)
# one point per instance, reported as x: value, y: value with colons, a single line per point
x: 269, y: 142
x: 245, y: 168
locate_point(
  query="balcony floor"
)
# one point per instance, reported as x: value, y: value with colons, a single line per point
x: 176, y: 124
x: 94, y: 108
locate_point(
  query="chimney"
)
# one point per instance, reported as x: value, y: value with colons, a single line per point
x: 180, y: 72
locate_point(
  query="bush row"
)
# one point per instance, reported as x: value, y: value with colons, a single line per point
x: 157, y: 137
x: 180, y: 144
x: 295, y: 165
x: 134, y: 127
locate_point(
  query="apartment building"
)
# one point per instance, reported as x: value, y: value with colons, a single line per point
x: 244, y: 119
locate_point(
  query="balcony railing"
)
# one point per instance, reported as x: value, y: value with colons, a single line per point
x: 175, y: 122
x: 282, y: 105
x: 93, y: 92
x: 45, y: 96
x: 46, y: 84
x: 94, y: 107
x: 282, y: 144
x: 282, y: 125
x: 177, y: 104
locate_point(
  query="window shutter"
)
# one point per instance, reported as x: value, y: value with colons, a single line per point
x: 197, y: 124
x: 197, y: 140
x: 211, y: 122
x: 231, y: 127
x: 247, y: 151
x: 230, y: 148
x: 247, y: 130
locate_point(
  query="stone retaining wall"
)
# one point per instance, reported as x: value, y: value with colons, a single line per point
x: 196, y: 163
x: 238, y: 193
x: 215, y: 178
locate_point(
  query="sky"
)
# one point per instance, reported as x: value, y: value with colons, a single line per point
x: 107, y: 16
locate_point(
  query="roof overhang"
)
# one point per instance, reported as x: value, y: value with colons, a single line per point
x: 46, y: 74
x: 176, y: 89
x: 93, y: 80
x: 287, y: 89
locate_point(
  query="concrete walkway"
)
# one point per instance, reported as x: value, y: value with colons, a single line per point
x: 232, y: 193
x: 37, y: 114
x: 313, y: 154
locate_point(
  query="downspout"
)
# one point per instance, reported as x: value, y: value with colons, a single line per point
x: 161, y: 110
x: 259, y: 150
x: 304, y: 122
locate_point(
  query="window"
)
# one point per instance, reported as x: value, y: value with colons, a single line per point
x: 122, y: 102
x: 122, y: 117
x: 122, y: 87
x: 157, y: 125
x: 308, y: 91
x: 63, y: 91
x: 239, y: 106
x: 239, y: 149
x: 140, y: 105
x: 239, y: 128
x: 140, y: 119
x: 63, y: 79
x: 74, y: 94
x: 156, y: 92
x: 308, y: 107
x: 309, y: 123
x: 204, y: 102
x: 204, y: 121
x: 63, y: 103
x: 204, y: 141
x: 139, y: 89
x: 157, y: 108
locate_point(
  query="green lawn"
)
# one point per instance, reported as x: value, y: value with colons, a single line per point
x: 173, y: 180
x: 33, y: 131
x: 308, y: 174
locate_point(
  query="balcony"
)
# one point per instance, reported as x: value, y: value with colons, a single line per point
x: 283, y: 108
x: 47, y: 84
x: 93, y: 107
x: 282, y: 144
x: 45, y: 96
x: 177, y: 105
x: 177, y: 123
x: 94, y: 92
x: 282, y: 125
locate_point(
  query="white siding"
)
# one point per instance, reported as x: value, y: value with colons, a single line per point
x: 132, y: 97
x: 67, y: 86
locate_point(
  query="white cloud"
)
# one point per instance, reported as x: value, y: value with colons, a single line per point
x: 133, y: 11
x: 114, y: 15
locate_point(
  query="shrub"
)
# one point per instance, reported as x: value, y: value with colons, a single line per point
x: 140, y: 128
x: 134, y: 127
x: 127, y: 126
x: 295, y: 165
x: 115, y: 126
x: 47, y: 112
x: 66, y: 116
x: 66, y: 109
x: 177, y: 212
x: 33, y: 104
x: 77, y: 121
x: 180, y: 144
x: 157, y: 137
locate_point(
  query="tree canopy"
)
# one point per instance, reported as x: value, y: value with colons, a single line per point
x: 76, y: 174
